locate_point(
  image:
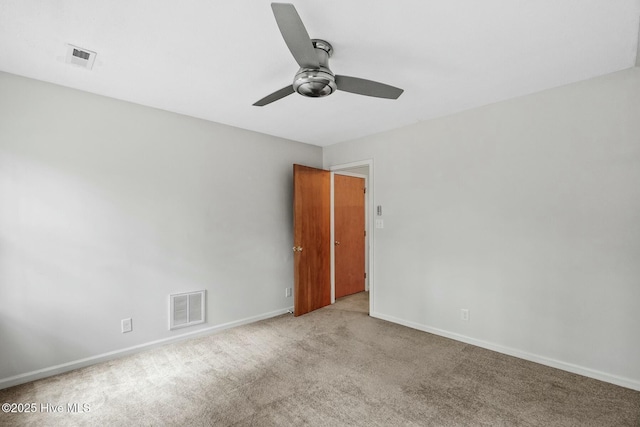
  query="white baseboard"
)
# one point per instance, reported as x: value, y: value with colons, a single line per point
x: 569, y: 367
x: 81, y: 363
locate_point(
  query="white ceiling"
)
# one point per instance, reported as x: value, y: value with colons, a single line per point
x: 213, y: 59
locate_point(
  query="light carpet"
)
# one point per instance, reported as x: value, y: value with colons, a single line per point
x: 333, y: 367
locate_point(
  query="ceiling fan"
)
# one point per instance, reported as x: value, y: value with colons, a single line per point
x: 314, y: 78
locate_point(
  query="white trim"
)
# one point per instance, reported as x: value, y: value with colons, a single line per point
x: 81, y: 363
x: 351, y: 165
x: 554, y: 363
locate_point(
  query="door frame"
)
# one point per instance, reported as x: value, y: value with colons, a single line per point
x: 343, y: 169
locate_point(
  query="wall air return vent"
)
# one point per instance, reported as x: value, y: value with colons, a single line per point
x: 80, y: 56
x: 186, y: 309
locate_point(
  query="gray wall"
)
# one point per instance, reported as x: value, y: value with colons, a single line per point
x: 107, y: 207
x: 525, y: 212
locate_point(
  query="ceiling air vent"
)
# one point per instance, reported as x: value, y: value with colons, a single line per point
x: 80, y: 56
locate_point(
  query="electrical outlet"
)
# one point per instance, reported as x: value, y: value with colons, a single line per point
x: 288, y: 292
x: 464, y: 314
x: 127, y: 325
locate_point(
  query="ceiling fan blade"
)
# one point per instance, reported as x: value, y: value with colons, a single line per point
x: 367, y: 87
x: 295, y: 35
x: 279, y: 94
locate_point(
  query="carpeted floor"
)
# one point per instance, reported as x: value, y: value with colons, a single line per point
x: 333, y: 367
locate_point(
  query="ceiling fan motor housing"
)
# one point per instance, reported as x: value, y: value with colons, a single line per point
x: 316, y: 82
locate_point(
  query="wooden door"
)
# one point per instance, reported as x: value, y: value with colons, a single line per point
x: 311, y: 238
x: 349, y: 226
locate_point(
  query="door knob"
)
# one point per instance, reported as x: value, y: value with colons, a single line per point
x: 337, y: 243
x: 297, y: 249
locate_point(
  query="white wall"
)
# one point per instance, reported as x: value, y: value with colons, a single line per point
x: 107, y: 207
x: 525, y: 212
